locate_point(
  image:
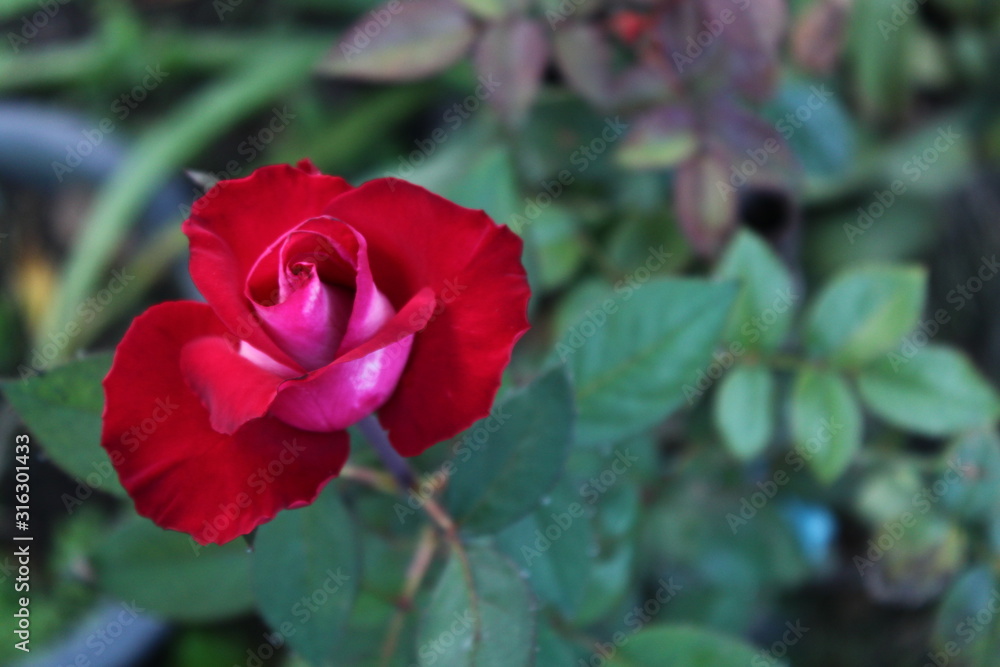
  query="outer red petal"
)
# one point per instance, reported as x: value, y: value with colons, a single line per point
x: 235, y: 222
x: 233, y: 388
x: 419, y: 240
x: 179, y: 471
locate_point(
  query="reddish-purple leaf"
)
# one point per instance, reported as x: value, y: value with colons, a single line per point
x: 754, y: 38
x: 819, y: 34
x: 584, y: 57
x: 705, y: 202
x: 748, y: 24
x: 758, y: 147
x: 644, y: 85
x: 513, y: 55
x: 402, y: 41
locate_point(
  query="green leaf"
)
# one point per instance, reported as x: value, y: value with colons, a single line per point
x: 402, y: 42
x: 472, y: 172
x: 937, y: 391
x: 744, y: 410
x: 865, y: 312
x: 170, y: 574
x: 553, y: 545
x: 967, y: 624
x: 607, y: 584
x: 63, y: 409
x: 633, y: 355
x: 305, y: 572
x: 553, y: 650
x: 673, y: 645
x: 480, y: 614
x: 508, y: 461
x: 763, y: 310
x: 555, y: 240
x: 661, y: 138
x: 975, y: 457
x: 12, y: 8
x: 878, y: 48
x: 826, y: 422
x: 494, y: 9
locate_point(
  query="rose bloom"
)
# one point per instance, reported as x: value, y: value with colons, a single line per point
x: 325, y: 303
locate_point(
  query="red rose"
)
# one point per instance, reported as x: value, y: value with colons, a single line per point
x: 325, y: 304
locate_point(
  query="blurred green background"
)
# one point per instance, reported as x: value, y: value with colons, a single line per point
x: 839, y: 160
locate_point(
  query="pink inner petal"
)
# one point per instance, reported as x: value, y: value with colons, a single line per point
x: 314, y: 292
x: 310, y: 321
x: 345, y: 393
x: 316, y: 297
x: 360, y: 381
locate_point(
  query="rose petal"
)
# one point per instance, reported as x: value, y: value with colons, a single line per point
x: 179, y: 471
x: 356, y: 384
x: 310, y: 323
x: 418, y: 240
x: 371, y: 309
x: 331, y: 306
x: 232, y: 387
x: 346, y: 393
x: 235, y: 223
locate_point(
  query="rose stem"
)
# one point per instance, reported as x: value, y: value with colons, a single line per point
x: 404, y: 476
x: 394, y: 463
x: 421, y: 561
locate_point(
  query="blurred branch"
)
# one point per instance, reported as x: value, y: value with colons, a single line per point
x: 208, y: 50
x: 423, y: 556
